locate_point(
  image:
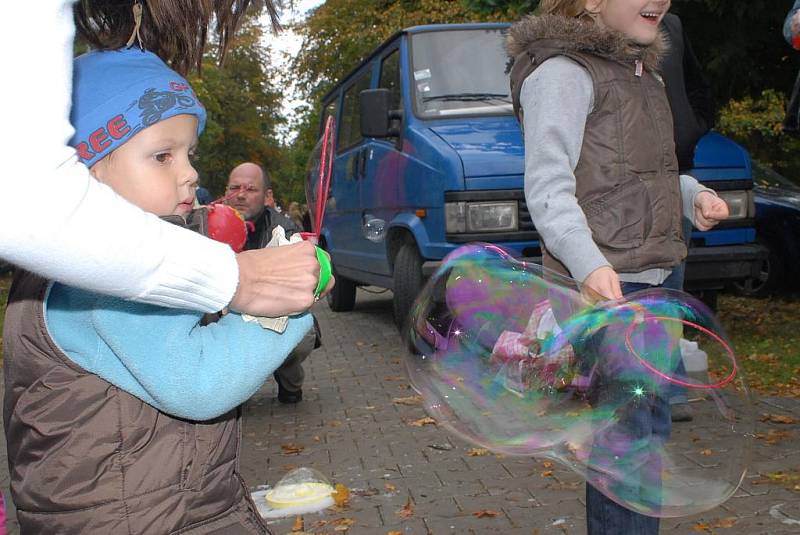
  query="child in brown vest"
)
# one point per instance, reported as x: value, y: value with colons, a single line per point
x: 122, y: 417
x: 601, y: 175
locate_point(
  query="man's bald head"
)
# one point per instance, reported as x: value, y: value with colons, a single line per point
x: 251, y: 170
x: 253, y: 190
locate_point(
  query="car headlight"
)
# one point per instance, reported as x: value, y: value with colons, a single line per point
x: 481, y: 216
x: 739, y: 203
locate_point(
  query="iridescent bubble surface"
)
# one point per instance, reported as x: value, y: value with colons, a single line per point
x: 517, y: 359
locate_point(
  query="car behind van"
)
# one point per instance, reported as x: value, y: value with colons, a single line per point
x: 429, y: 156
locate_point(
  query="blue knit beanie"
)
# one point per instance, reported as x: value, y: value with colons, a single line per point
x: 118, y: 93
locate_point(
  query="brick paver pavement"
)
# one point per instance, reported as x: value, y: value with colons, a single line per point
x: 351, y: 427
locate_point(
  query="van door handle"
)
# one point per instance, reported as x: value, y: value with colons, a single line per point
x: 362, y: 163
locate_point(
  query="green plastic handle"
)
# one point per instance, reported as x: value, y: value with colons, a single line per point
x: 324, y: 271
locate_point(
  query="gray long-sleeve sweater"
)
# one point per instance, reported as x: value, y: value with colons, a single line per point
x: 557, y: 99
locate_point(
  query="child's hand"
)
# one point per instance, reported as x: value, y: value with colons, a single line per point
x: 604, y: 282
x: 795, y: 24
x: 709, y: 210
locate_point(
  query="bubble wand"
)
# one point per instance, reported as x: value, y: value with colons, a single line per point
x: 317, y: 200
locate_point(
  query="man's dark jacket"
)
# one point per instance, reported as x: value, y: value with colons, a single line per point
x: 260, y: 236
x: 688, y: 91
x: 265, y: 223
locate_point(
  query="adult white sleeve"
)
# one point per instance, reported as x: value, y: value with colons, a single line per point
x: 56, y: 220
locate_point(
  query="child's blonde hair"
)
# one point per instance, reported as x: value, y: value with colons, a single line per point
x: 565, y: 8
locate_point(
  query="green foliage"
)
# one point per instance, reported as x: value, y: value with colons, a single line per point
x: 740, y: 43
x: 755, y: 122
x: 518, y: 6
x: 243, y: 110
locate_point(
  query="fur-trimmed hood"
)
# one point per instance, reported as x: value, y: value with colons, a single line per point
x: 574, y: 35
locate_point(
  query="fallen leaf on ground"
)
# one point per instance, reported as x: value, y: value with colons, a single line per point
x: 390, y: 488
x: 486, y: 513
x: 477, y: 452
x: 292, y: 449
x: 341, y: 495
x: 394, y: 533
x: 343, y: 524
x: 706, y: 452
x: 783, y: 478
x: 394, y: 378
x: 408, y: 509
x: 773, y: 437
x: 779, y: 419
x: 547, y: 464
x: 547, y: 473
x: 708, y: 527
x: 410, y: 400
x: 298, y: 525
x: 422, y: 421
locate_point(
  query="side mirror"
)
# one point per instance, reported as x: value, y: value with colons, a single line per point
x: 375, y: 114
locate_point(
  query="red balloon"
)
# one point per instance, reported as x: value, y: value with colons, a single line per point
x: 226, y: 224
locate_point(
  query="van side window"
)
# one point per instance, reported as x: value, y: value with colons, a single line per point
x: 350, y: 128
x: 390, y: 78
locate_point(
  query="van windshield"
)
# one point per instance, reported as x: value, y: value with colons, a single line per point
x: 460, y: 72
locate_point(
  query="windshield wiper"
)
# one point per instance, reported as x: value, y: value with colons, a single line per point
x: 469, y: 97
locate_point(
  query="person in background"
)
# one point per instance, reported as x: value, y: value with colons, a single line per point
x: 295, y: 214
x: 693, y: 115
x: 250, y: 186
x: 203, y: 196
x: 791, y: 26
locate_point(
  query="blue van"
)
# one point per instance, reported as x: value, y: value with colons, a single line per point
x: 429, y: 156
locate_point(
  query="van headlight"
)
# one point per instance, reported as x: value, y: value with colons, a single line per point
x: 481, y: 216
x: 740, y: 203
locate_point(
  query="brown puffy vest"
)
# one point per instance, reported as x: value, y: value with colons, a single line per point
x: 88, y: 458
x: 627, y: 180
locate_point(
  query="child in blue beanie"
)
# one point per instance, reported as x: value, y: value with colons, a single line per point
x: 123, y: 417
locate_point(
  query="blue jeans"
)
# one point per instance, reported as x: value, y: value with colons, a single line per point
x: 651, y: 418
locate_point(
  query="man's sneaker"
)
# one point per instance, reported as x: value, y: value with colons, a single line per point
x: 682, y: 412
x: 287, y: 396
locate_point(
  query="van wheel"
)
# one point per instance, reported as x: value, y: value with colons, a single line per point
x: 342, y: 298
x: 407, y: 282
x: 770, y: 276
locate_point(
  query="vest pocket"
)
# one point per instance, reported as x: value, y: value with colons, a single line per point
x: 621, y: 217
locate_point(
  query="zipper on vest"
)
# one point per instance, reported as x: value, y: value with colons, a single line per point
x: 639, y: 68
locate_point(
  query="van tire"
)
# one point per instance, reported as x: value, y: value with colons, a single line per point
x: 342, y: 298
x: 407, y: 282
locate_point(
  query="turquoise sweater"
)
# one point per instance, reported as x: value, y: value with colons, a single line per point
x: 164, y: 356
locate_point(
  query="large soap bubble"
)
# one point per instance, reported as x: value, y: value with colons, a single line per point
x: 516, y: 359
